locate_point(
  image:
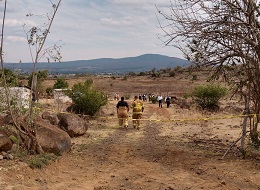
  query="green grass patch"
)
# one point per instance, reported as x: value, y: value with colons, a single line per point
x: 41, y: 160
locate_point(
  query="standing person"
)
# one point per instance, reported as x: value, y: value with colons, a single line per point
x: 168, y: 101
x: 138, y: 109
x: 159, y: 99
x: 117, y: 96
x: 122, y: 112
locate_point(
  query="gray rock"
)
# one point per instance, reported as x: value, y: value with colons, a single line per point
x: 50, y: 117
x: 14, y: 148
x: 72, y: 124
x: 10, y: 157
x: 4, y: 153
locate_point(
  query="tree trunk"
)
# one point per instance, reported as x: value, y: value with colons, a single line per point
x: 247, y: 111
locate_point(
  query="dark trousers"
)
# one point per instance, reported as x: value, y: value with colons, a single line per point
x: 160, y: 103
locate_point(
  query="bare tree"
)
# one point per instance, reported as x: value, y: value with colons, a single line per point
x: 36, y: 38
x: 223, y: 35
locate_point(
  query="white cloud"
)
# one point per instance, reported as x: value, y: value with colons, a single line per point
x: 15, y: 39
x: 88, y: 28
x: 18, y: 23
x: 129, y: 2
x: 117, y: 22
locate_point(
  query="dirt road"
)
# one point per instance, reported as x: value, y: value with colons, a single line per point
x: 160, y: 156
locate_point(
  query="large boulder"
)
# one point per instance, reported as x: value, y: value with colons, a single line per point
x: 5, y: 143
x: 51, y: 117
x: 72, y: 124
x: 51, y: 138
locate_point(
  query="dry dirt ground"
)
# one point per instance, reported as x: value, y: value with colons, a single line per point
x: 162, y: 155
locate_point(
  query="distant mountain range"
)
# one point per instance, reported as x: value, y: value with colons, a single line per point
x: 137, y: 64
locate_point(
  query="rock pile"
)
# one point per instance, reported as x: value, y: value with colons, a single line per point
x: 54, y: 133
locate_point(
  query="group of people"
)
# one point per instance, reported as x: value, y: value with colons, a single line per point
x: 138, y: 107
x: 123, y: 109
x: 167, y: 101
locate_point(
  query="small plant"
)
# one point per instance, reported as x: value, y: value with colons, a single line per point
x: 124, y: 78
x: 127, y: 96
x: 41, y: 160
x: 209, y: 96
x: 14, y: 139
x: 178, y: 69
x: 186, y: 96
x: 172, y: 73
x: 153, y: 100
x: 194, y: 77
x: 11, y: 78
x: 132, y: 74
x: 22, y: 154
x: 141, y: 73
x: 49, y: 91
x: 155, y: 73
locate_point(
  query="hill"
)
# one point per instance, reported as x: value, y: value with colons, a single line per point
x: 137, y: 64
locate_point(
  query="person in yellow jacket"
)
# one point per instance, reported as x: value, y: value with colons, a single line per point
x: 122, y: 112
x: 138, y: 108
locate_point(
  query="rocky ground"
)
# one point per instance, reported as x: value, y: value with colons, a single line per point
x: 163, y: 155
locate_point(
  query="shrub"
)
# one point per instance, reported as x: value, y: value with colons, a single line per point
x: 127, y: 96
x: 155, y: 73
x: 49, y: 90
x: 11, y: 78
x: 153, y: 100
x: 86, y: 99
x: 141, y: 73
x: 178, y: 69
x: 132, y: 73
x: 41, y: 160
x: 209, y: 96
x: 61, y: 83
x: 194, y: 77
x: 186, y: 95
x: 172, y: 73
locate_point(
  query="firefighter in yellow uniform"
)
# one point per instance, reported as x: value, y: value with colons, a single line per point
x: 138, y: 108
x: 122, y: 112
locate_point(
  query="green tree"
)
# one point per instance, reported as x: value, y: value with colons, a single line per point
x: 86, y: 99
x: 208, y: 96
x: 11, y: 79
x: 61, y: 83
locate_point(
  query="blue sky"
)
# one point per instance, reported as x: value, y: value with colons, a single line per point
x: 88, y: 29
